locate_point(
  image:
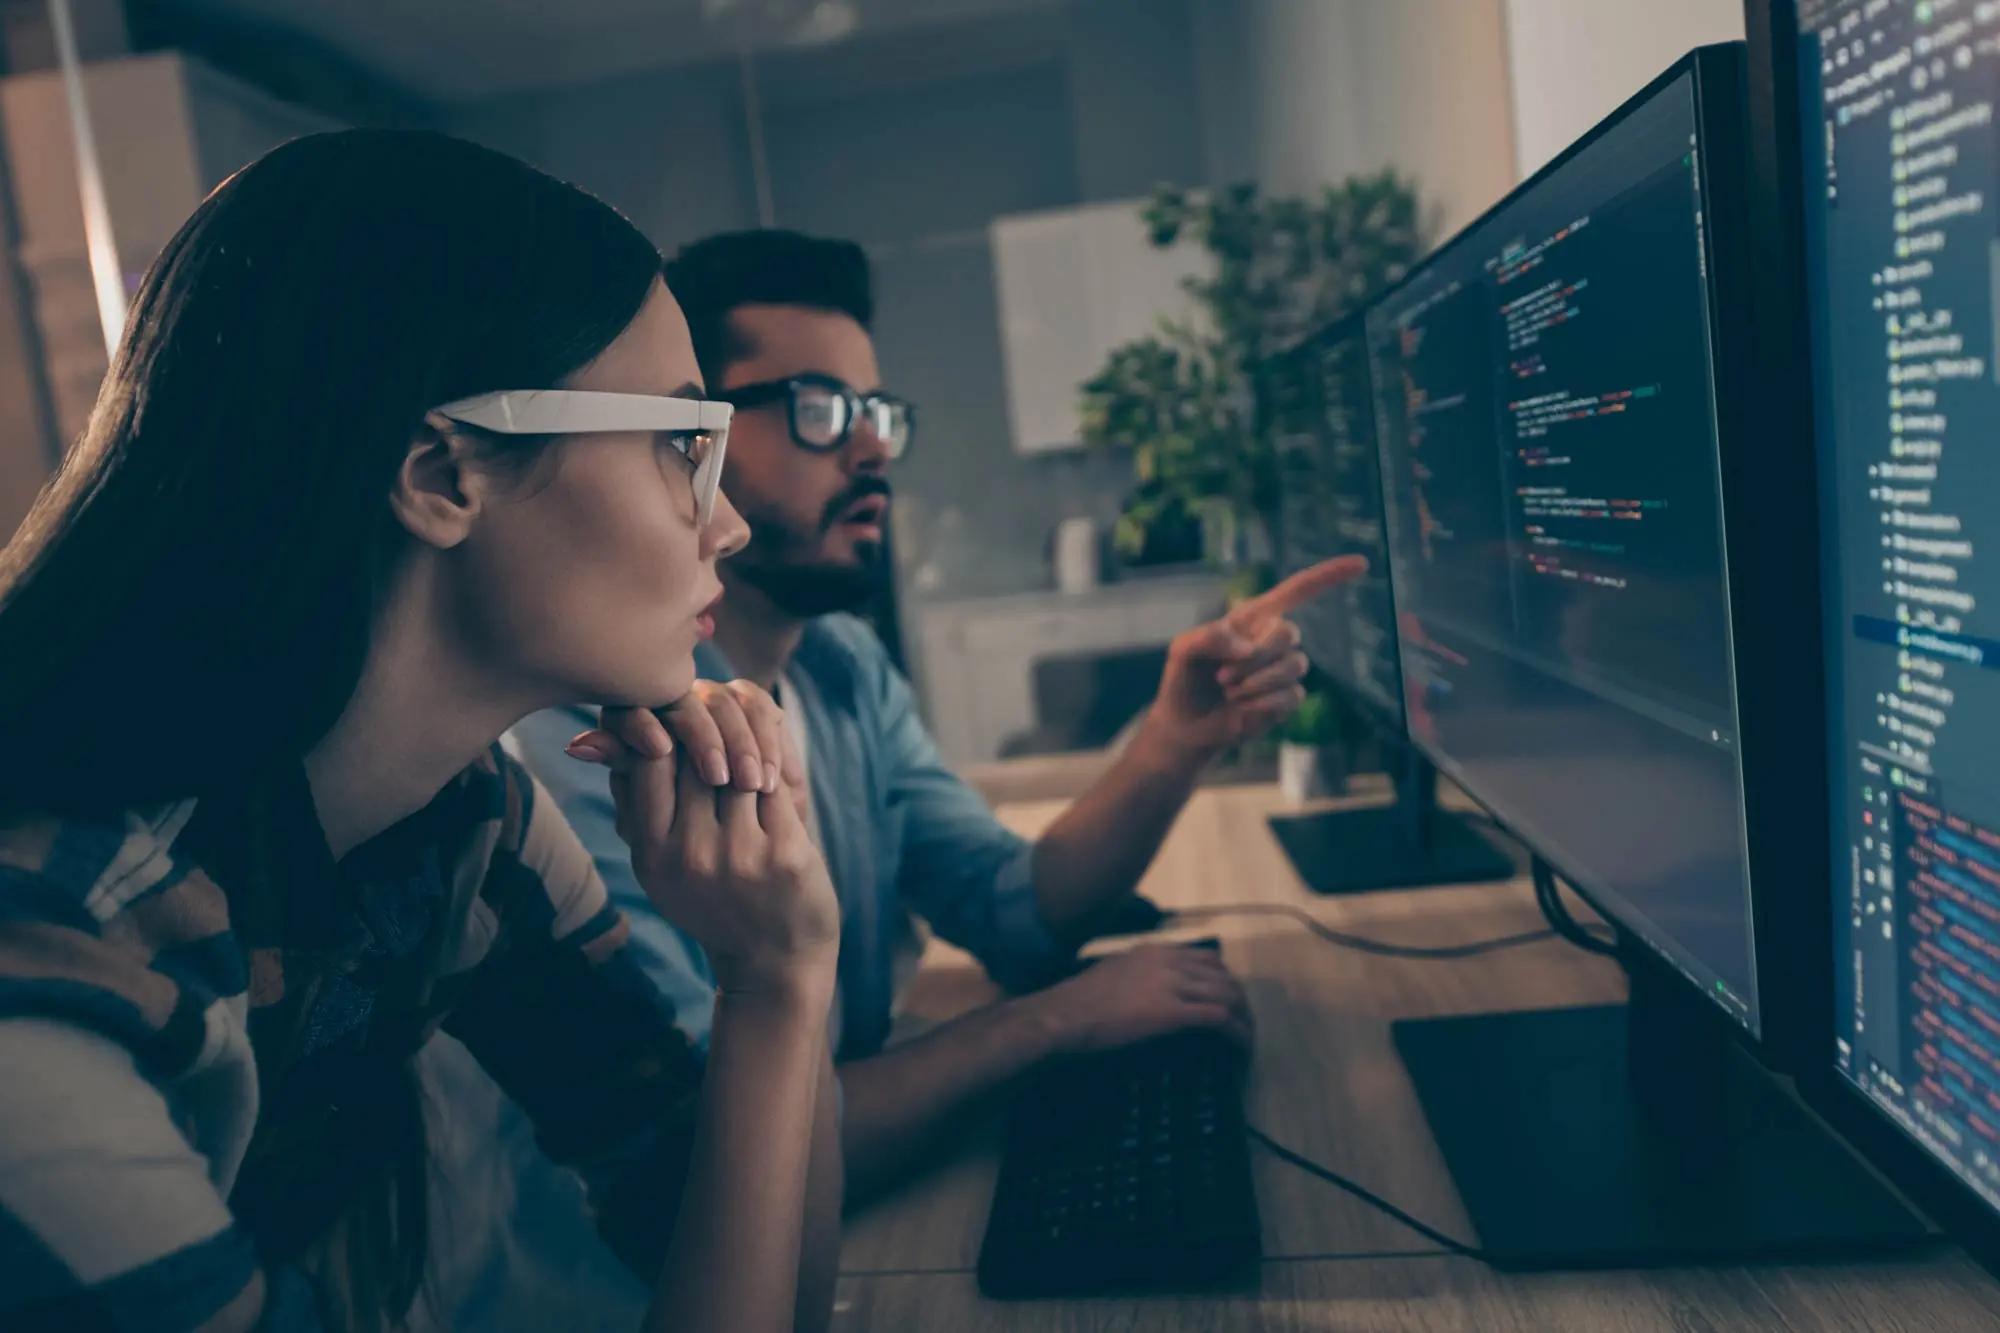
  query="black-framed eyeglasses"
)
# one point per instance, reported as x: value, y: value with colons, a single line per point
x: 821, y: 412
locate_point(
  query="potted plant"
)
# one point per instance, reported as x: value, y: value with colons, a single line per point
x: 1181, y: 401
x: 1313, y: 759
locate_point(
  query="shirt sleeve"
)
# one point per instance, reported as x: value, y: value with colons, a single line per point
x: 108, y: 1216
x: 561, y: 1015
x: 677, y: 967
x: 963, y: 871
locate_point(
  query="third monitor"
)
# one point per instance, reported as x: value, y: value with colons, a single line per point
x: 1319, y: 402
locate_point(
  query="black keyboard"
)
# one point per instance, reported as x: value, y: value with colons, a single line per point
x: 1128, y: 1171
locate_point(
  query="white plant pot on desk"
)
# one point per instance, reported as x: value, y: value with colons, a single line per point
x: 1311, y: 772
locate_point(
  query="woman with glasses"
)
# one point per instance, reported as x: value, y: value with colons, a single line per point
x: 403, y: 442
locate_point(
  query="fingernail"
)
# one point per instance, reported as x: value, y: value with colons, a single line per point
x: 770, y: 779
x: 590, y: 752
x: 716, y: 768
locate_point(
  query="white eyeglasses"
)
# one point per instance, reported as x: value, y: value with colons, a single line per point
x: 697, y: 427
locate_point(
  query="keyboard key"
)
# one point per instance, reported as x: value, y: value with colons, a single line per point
x: 1126, y: 1172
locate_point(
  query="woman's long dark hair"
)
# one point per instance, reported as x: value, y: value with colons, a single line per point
x: 194, y: 592
x: 206, y: 563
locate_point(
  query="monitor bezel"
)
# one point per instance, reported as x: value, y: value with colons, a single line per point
x: 1772, y: 26
x: 1764, y: 601
x: 1390, y: 722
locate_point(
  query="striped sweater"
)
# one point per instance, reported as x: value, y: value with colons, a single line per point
x: 193, y: 998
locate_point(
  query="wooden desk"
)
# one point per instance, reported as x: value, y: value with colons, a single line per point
x: 1327, y: 1083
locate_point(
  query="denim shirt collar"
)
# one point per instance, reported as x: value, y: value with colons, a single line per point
x: 818, y: 655
x: 825, y: 694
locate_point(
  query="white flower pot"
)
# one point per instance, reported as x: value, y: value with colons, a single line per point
x: 1311, y: 772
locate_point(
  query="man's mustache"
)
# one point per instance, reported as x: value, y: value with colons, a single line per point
x: 861, y: 488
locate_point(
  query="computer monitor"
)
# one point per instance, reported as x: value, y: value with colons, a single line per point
x: 1319, y: 406
x: 1556, y: 390
x: 1551, y: 443
x: 1882, y: 117
x: 1318, y: 403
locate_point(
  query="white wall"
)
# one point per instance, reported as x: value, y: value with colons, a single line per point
x: 1574, y: 61
x: 1326, y: 89
x: 666, y: 147
x: 911, y: 142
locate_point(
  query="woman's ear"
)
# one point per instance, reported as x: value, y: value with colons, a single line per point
x: 438, y: 491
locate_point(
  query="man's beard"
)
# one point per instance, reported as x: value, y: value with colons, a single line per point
x: 777, y: 561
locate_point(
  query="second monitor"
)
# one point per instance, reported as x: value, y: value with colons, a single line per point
x: 1319, y: 405
x: 1549, y: 428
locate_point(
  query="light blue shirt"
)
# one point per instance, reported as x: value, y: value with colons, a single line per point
x: 901, y: 834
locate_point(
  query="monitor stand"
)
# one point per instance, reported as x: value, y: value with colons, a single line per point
x: 1410, y: 843
x: 1638, y: 1135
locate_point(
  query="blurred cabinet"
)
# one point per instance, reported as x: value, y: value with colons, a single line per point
x: 977, y: 660
x: 168, y: 130
x: 1072, y: 285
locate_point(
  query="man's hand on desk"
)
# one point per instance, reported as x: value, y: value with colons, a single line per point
x: 1148, y: 991
x: 1231, y: 679
x: 904, y: 1104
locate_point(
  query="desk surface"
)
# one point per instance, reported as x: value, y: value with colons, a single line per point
x: 1327, y: 1083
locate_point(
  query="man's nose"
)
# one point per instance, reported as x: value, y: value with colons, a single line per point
x: 866, y: 451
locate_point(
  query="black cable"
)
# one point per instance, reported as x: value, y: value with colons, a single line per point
x: 1356, y: 1256
x: 1367, y: 1196
x: 1331, y: 1257
x: 1559, y: 917
x: 1361, y: 943
x: 1548, y: 896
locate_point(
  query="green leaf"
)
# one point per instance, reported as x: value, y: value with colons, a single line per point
x: 1183, y: 398
x: 1128, y: 536
x: 1313, y: 723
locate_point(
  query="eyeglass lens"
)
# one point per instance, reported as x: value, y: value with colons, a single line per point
x: 821, y: 415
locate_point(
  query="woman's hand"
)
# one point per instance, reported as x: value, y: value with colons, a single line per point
x: 734, y: 868
x: 731, y: 732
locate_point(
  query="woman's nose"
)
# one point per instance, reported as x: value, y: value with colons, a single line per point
x: 725, y: 533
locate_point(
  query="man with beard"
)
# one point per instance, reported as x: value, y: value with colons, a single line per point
x: 781, y: 327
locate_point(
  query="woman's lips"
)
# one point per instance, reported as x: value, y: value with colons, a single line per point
x: 704, y: 621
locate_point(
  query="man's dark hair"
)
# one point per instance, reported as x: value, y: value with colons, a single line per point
x: 715, y: 276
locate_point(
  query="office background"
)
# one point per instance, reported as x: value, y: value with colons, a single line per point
x: 912, y: 126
